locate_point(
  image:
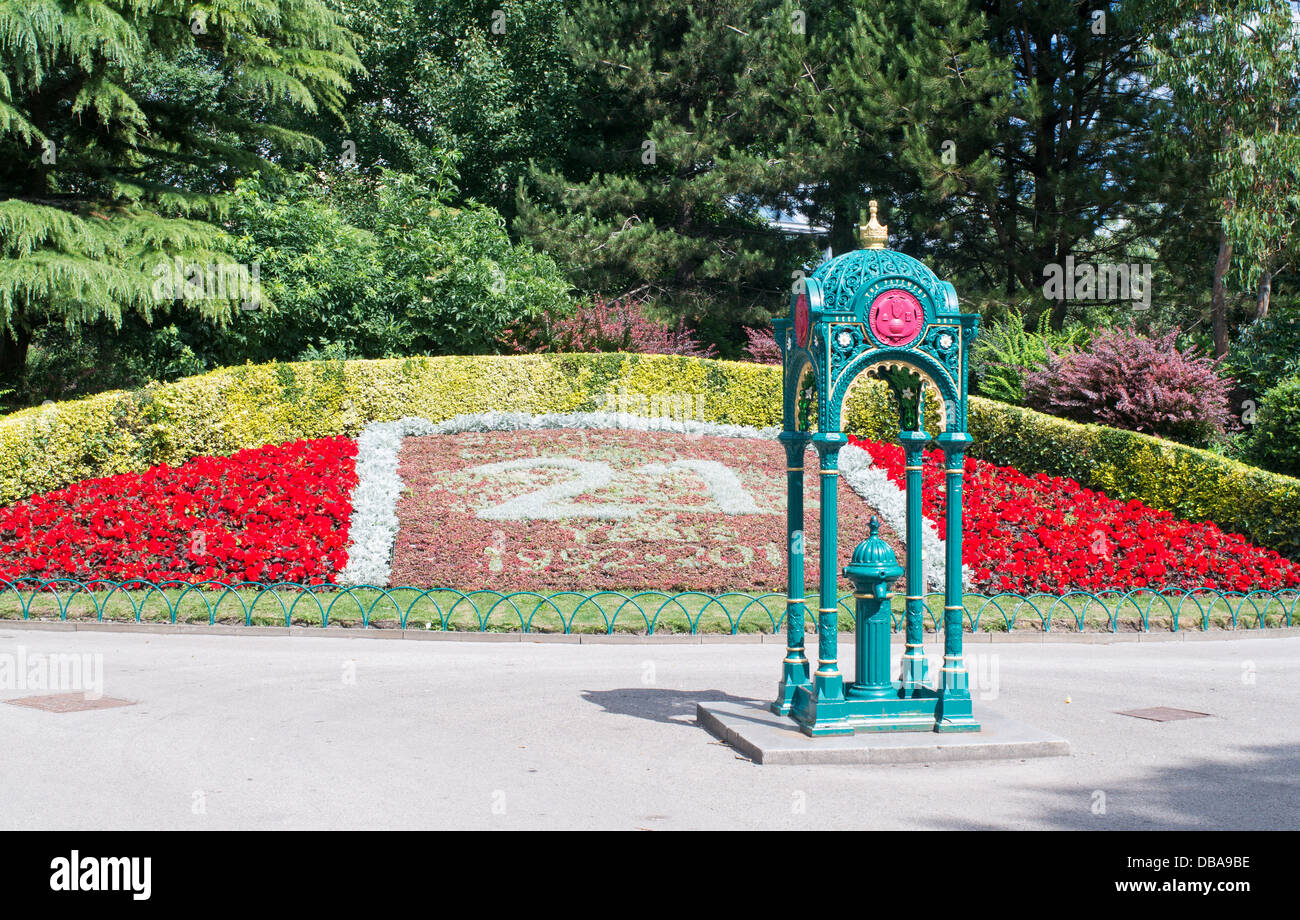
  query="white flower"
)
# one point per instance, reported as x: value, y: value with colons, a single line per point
x: 550, y: 503
x: 373, y: 528
x: 723, y: 485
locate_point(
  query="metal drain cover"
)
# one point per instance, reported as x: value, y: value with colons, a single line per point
x: 1165, y: 714
x: 69, y: 702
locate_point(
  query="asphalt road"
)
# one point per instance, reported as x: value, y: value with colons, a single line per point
x: 280, y: 732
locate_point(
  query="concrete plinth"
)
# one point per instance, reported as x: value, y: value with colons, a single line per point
x: 767, y: 738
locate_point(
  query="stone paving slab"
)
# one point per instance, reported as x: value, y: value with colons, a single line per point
x: 766, y: 738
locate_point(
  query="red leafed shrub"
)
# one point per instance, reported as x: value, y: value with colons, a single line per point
x: 1046, y: 533
x: 1127, y: 380
x: 609, y: 325
x: 277, y: 513
x: 761, y: 347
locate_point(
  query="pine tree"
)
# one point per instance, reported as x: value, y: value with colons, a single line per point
x: 1004, y: 136
x: 678, y: 163
x: 903, y: 103
x: 123, y: 123
x: 1000, y: 137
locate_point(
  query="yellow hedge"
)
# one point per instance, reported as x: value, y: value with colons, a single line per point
x: 219, y: 413
x: 54, y: 445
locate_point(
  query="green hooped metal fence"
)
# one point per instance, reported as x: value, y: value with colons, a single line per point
x: 366, y: 606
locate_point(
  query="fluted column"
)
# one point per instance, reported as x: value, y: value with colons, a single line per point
x: 794, y: 667
x: 915, y: 672
x: 828, y: 682
x: 954, y: 713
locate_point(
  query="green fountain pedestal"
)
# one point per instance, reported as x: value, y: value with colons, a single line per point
x: 874, y: 701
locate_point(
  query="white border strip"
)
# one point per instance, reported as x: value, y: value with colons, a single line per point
x: 373, y: 529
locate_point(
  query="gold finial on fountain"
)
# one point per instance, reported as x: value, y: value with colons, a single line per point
x: 873, y: 234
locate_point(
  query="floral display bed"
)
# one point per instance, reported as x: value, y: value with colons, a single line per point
x: 590, y: 502
x: 1045, y: 533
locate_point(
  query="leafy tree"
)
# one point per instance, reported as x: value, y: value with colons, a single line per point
x: 323, y: 292
x: 1266, y: 352
x: 359, y: 267
x: 487, y: 78
x: 1273, y: 442
x: 459, y: 280
x: 121, y: 123
x: 328, y: 292
x: 1234, y: 77
x: 346, y: 268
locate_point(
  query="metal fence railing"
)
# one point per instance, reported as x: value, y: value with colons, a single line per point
x: 293, y: 604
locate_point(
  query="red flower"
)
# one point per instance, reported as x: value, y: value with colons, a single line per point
x: 279, y: 512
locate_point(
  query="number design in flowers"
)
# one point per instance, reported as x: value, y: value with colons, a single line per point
x: 553, y: 502
x: 709, y: 511
x: 724, y: 488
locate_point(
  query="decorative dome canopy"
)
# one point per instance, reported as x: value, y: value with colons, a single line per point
x: 844, y: 277
x: 880, y: 312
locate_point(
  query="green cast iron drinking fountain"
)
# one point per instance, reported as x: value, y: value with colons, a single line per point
x: 878, y: 312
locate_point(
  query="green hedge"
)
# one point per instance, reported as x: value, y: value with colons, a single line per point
x: 218, y: 413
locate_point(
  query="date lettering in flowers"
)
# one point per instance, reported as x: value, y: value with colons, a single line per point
x: 552, y: 503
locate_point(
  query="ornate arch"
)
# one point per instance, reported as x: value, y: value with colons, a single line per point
x: 876, y: 363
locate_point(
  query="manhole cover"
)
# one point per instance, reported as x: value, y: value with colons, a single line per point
x: 69, y: 702
x: 1165, y: 714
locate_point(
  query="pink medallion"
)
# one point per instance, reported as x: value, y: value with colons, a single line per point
x: 896, y: 317
x: 802, y: 320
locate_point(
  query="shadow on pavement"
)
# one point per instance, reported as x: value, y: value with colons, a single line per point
x: 675, y: 707
x: 1258, y: 790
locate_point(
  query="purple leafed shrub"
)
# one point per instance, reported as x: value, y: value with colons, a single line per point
x: 761, y: 347
x: 612, y: 325
x: 1127, y: 380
